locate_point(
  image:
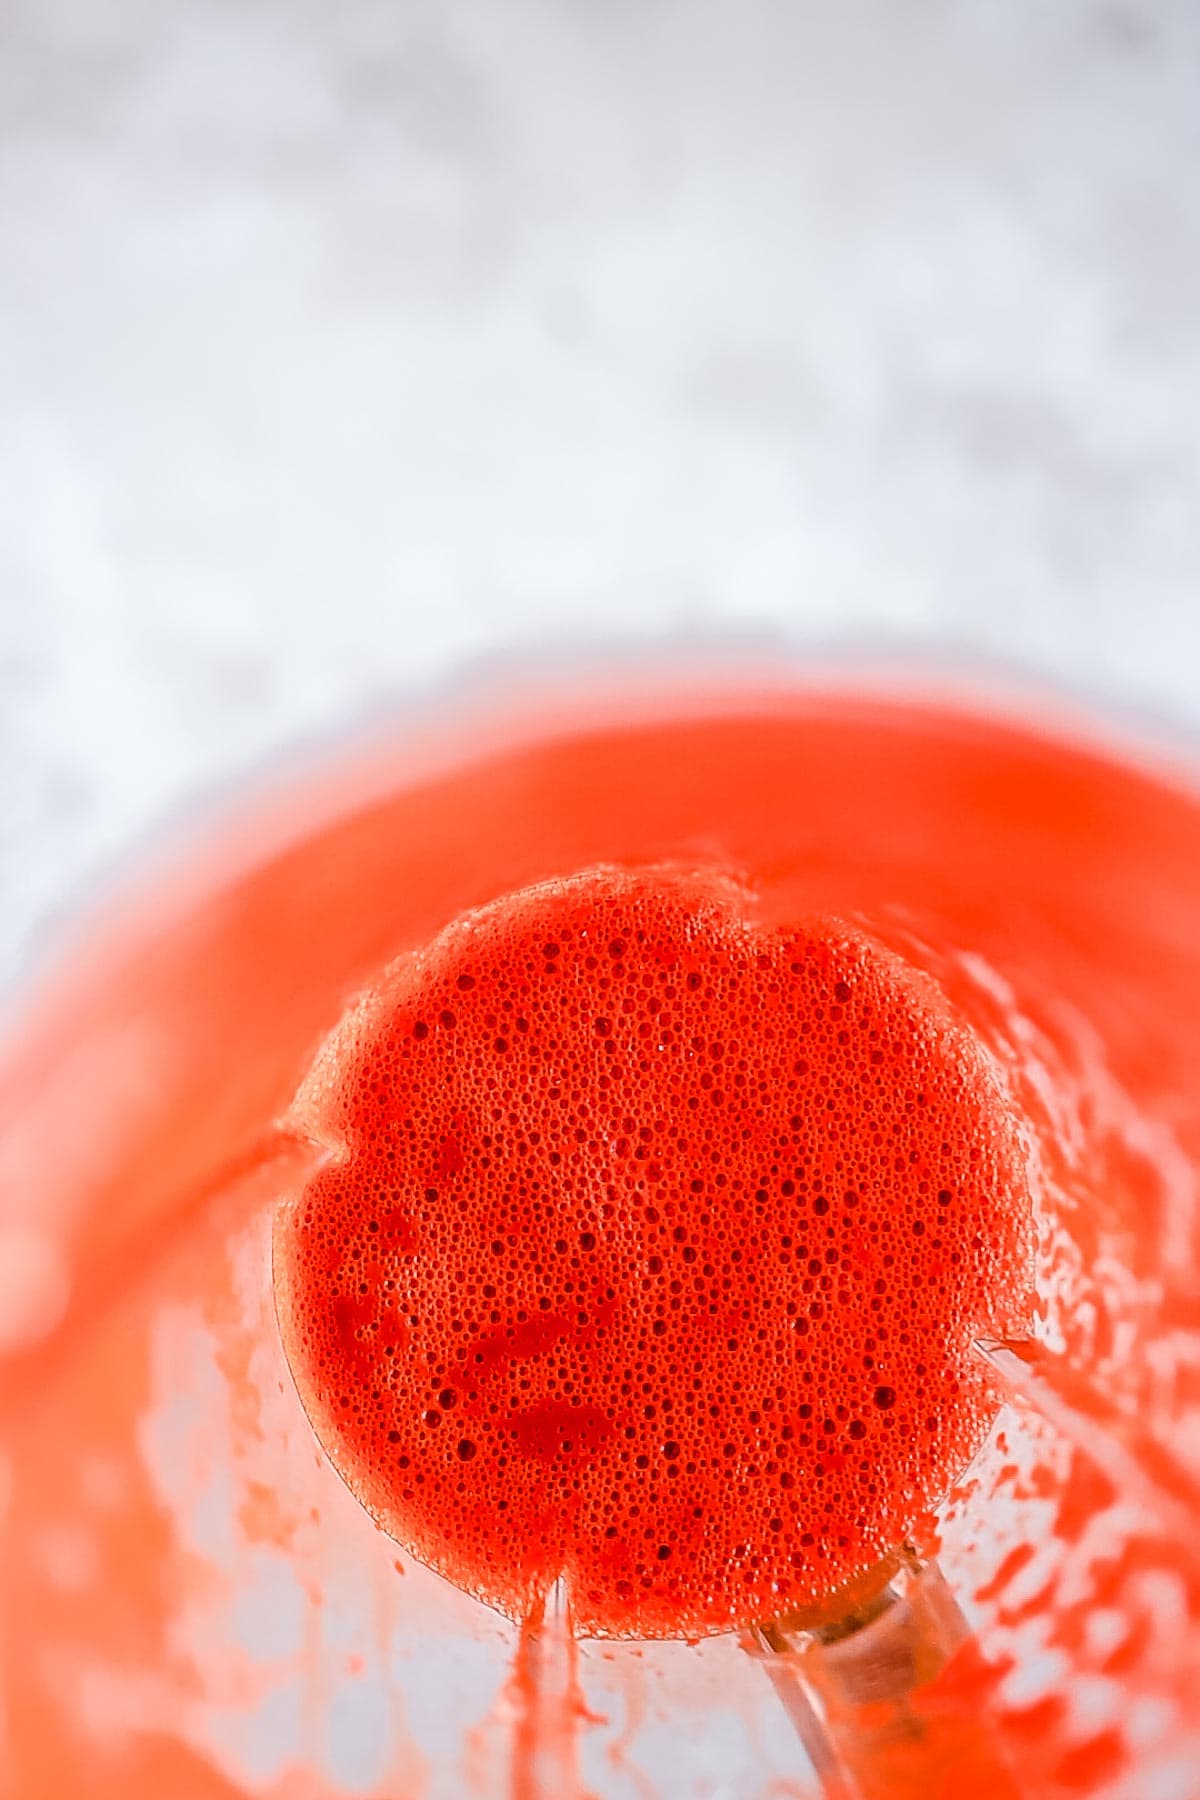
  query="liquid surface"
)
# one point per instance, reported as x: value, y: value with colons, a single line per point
x: 651, y: 1252
x: 184, y: 1574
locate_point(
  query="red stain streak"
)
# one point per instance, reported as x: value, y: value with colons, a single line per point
x: 516, y: 1343
x: 1016, y: 1560
x: 553, y: 1428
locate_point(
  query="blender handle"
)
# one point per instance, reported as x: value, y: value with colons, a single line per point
x: 852, y: 1690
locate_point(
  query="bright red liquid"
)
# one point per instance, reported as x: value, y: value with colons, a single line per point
x: 1049, y: 890
x: 651, y: 1252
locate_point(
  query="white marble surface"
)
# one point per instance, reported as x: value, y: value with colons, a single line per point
x: 344, y: 340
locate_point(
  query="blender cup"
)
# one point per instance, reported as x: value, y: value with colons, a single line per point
x: 195, y: 1602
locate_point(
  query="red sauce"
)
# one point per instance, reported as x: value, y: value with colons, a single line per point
x: 651, y: 1251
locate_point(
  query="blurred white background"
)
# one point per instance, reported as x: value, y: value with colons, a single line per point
x: 345, y: 341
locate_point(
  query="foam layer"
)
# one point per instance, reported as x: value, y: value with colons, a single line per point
x: 650, y: 1252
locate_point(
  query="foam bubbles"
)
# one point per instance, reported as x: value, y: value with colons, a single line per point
x: 650, y: 1252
